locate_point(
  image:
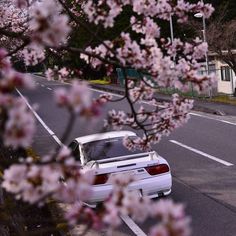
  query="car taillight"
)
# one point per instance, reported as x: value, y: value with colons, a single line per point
x: 100, y: 179
x: 158, y: 169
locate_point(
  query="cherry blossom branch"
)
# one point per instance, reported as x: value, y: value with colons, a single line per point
x: 18, y: 48
x: 67, y: 131
x: 93, y: 55
x: 79, y: 21
x: 131, y: 104
x: 12, y: 34
x: 118, y: 99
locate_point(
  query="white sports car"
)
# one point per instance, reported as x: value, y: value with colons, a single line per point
x: 106, y: 154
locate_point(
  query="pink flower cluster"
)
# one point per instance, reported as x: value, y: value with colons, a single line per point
x: 124, y: 201
x: 22, y: 3
x: 79, y: 213
x: 47, y: 25
x: 172, y: 219
x: 35, y: 182
x: 155, y: 121
x: 103, y: 50
x: 33, y: 54
x: 78, y: 99
x: 11, y: 17
x: 147, y: 27
x: 61, y: 74
x: 183, y: 8
x: 148, y: 56
x: 103, y: 11
x: 20, y: 125
x: 19, y: 128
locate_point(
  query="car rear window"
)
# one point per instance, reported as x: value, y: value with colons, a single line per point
x: 108, y: 148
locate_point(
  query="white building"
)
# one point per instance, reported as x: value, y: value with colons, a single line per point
x: 226, y: 78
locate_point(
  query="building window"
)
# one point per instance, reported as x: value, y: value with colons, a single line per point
x: 203, y: 69
x: 212, y: 68
x: 226, y: 74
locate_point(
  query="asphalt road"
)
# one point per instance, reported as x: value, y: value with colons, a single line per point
x: 202, y: 156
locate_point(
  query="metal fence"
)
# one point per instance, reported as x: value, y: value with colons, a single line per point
x: 190, y: 93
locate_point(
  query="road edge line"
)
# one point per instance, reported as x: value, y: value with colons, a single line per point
x: 40, y: 119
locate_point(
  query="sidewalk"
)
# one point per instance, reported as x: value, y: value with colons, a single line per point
x: 199, y: 104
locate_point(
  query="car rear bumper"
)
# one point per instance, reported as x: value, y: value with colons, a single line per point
x: 152, y: 187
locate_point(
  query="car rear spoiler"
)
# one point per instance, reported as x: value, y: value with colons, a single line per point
x: 127, y: 157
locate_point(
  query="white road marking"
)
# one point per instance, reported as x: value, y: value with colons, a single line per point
x: 100, y: 91
x: 227, y: 122
x: 49, y: 88
x: 42, y: 85
x: 161, y: 106
x: 212, y: 118
x: 202, y: 153
x: 134, y: 227
x: 40, y: 119
x: 129, y: 222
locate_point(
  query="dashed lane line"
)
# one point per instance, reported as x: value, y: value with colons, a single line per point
x: 100, y: 91
x: 127, y: 220
x: 202, y: 153
x: 49, y: 88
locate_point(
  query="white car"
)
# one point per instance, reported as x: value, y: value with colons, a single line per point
x: 106, y: 154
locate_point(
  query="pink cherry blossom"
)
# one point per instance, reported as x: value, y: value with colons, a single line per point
x: 125, y: 202
x: 33, y: 182
x: 78, y: 182
x: 76, y: 99
x: 79, y: 213
x: 13, y: 17
x: 172, y: 219
x: 48, y: 26
x: 49, y: 74
x: 5, y: 64
x: 20, y: 126
x: 33, y: 54
x: 63, y: 73
x: 102, y: 12
x: 147, y: 27
x: 21, y: 3
x: 12, y: 79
